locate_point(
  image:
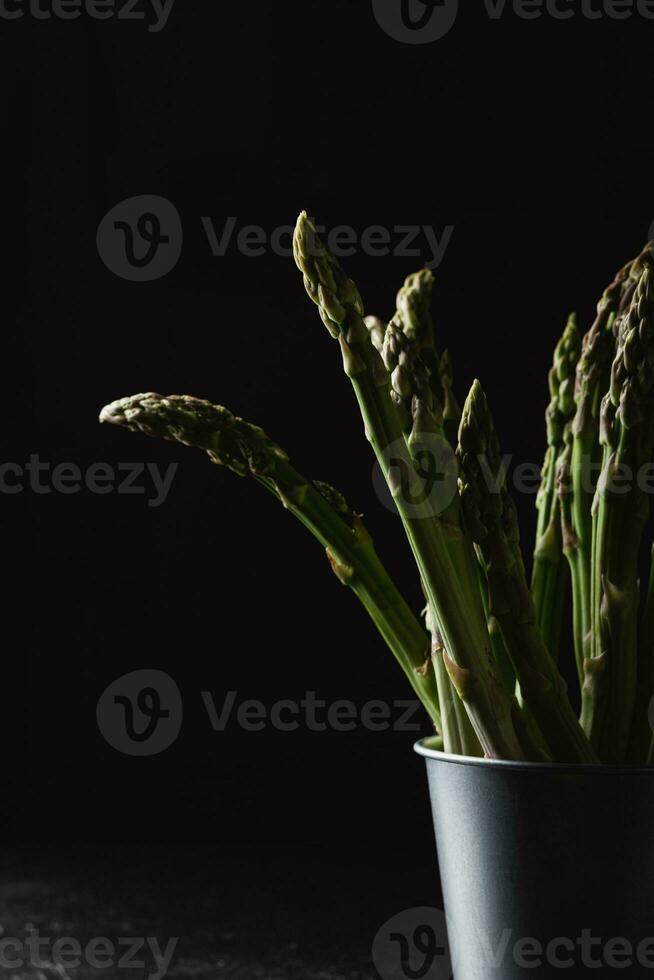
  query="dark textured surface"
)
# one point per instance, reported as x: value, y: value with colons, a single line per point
x: 240, y: 913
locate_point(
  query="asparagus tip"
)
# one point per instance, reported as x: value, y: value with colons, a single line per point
x: 229, y: 440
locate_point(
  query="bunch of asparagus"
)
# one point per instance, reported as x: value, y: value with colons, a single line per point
x: 484, y: 662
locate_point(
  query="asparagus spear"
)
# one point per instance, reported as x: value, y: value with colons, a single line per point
x: 427, y: 379
x: 549, y: 576
x: 641, y: 738
x: 377, y: 330
x: 628, y: 278
x: 570, y: 545
x: 416, y: 393
x: 593, y: 371
x: 492, y: 521
x: 245, y: 449
x: 468, y: 660
x: 620, y: 512
x: 415, y: 320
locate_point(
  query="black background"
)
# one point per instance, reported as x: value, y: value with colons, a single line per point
x: 532, y: 138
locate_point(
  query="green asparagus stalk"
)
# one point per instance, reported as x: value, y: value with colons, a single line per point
x: 498, y: 645
x: 620, y: 512
x: 417, y: 371
x: 415, y: 320
x: 550, y: 573
x: 531, y: 738
x: 246, y: 450
x: 458, y: 734
x: 468, y: 661
x: 570, y: 545
x: 420, y: 378
x: 416, y: 392
x: 593, y: 372
x: 641, y: 735
x: 492, y: 521
x: 377, y: 330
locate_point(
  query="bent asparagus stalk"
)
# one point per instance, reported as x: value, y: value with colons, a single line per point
x: 245, y: 449
x: 468, y: 661
x: 492, y: 522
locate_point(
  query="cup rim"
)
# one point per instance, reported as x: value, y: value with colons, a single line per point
x: 434, y: 755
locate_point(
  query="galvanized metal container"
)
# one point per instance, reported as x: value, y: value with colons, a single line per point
x: 545, y: 869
